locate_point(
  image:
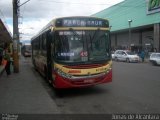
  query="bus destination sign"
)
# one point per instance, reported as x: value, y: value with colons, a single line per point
x: 74, y: 22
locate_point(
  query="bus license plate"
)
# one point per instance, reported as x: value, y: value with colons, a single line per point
x: 89, y: 81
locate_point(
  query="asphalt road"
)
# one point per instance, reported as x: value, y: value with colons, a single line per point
x: 135, y: 89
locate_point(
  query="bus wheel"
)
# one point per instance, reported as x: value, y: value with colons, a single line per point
x: 47, y: 77
x: 59, y: 92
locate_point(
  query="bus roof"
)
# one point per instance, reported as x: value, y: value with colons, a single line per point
x: 81, y: 17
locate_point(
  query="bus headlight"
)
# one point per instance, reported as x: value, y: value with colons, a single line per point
x: 108, y: 70
x: 63, y: 74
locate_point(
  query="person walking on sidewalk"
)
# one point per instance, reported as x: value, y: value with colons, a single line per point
x: 142, y: 54
x: 7, y: 57
x: 1, y: 55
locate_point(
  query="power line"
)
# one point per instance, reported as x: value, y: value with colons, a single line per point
x: 23, y: 11
x: 24, y: 3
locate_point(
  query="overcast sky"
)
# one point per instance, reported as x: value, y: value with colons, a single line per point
x: 35, y: 14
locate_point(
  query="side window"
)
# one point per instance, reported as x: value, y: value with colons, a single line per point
x: 120, y: 52
x: 43, y: 47
x: 158, y: 56
x: 44, y: 42
x: 36, y: 44
x: 41, y: 42
x: 154, y: 55
x: 53, y: 44
x: 117, y: 52
x: 39, y: 45
x: 123, y: 53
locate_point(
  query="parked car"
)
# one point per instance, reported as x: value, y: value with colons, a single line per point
x: 112, y: 55
x: 125, y: 55
x: 155, y: 58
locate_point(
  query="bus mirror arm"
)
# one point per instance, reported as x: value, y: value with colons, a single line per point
x: 51, y: 32
x: 49, y: 62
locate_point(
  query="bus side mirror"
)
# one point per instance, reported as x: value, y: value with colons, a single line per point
x: 52, y: 33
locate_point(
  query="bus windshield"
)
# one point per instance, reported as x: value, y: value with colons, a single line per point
x: 82, y: 46
x: 28, y: 48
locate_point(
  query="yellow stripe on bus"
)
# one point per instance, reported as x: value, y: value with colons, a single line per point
x: 85, y: 71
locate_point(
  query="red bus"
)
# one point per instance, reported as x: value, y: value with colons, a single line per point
x: 74, y: 52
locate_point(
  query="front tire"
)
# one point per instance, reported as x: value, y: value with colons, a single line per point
x: 154, y: 63
x: 127, y: 60
x: 47, y: 78
x: 116, y: 59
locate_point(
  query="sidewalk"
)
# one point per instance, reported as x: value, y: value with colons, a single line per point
x: 146, y: 60
x: 24, y: 92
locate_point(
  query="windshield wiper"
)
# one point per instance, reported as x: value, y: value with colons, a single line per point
x: 92, y: 38
x: 63, y: 48
x: 74, y: 32
x: 96, y: 31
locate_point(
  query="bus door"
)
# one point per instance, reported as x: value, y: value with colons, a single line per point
x: 49, y: 56
x: 52, y: 40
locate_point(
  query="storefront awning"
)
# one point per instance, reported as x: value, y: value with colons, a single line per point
x: 5, y: 35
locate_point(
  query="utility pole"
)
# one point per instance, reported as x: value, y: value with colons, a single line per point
x: 15, y: 35
x: 16, y: 13
x: 129, y: 42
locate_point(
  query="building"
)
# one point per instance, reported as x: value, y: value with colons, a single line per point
x: 5, y: 35
x: 5, y: 40
x: 134, y: 24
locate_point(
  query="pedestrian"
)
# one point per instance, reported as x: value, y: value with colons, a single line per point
x: 142, y: 54
x: 155, y: 49
x: 7, y: 57
x: 1, y: 55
